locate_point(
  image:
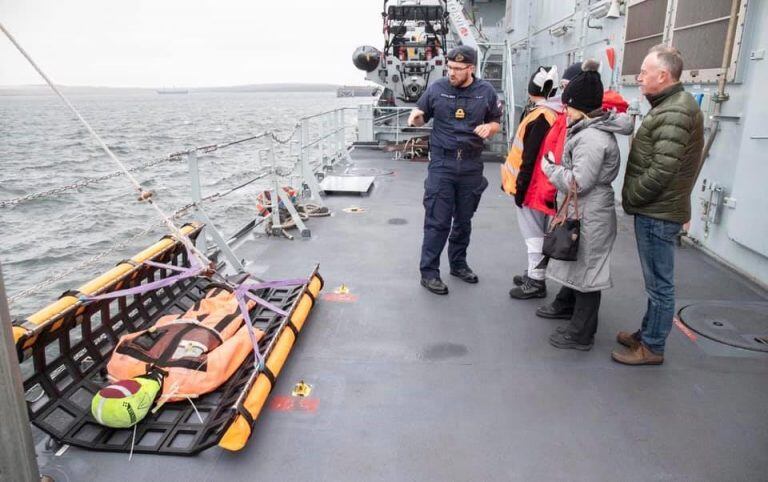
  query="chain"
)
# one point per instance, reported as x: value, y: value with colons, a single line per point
x: 174, y: 157
x: 86, y: 182
x: 287, y: 139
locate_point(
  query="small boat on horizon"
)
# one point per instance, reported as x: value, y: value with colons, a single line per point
x: 172, y: 91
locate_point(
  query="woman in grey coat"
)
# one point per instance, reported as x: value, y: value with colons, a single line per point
x: 590, y: 159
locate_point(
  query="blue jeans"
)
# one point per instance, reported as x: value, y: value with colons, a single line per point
x: 656, y: 247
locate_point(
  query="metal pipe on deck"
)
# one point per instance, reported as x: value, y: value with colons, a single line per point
x: 721, y: 96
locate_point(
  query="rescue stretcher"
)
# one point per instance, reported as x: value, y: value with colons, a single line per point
x: 64, y: 350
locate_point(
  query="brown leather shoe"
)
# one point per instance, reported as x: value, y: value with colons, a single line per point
x: 640, y: 355
x: 630, y: 340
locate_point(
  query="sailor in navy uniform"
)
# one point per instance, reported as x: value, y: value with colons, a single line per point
x: 465, y: 112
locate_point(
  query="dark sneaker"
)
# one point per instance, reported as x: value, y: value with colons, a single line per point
x: 549, y: 311
x: 465, y: 274
x: 435, y: 285
x: 531, y: 288
x: 566, y: 341
x: 562, y: 329
x: 640, y: 355
x: 630, y: 340
x: 519, y: 279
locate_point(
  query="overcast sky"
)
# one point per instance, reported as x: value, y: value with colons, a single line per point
x: 192, y: 43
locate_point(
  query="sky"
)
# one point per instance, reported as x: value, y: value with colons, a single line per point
x: 192, y: 43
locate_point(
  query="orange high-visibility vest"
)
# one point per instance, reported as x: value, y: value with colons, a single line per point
x: 511, y: 168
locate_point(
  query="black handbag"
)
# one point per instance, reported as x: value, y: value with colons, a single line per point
x: 562, y: 240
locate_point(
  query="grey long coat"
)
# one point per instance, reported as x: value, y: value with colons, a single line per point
x: 591, y: 157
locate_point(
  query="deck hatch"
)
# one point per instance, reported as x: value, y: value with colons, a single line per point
x: 739, y: 324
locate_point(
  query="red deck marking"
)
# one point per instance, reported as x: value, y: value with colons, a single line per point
x: 281, y: 403
x: 285, y: 403
x: 309, y: 404
x: 686, y: 331
x: 340, y: 298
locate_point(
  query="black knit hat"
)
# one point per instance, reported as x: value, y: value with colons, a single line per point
x: 543, y: 82
x: 572, y: 71
x: 585, y: 91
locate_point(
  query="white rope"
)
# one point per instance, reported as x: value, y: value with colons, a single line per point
x: 175, y: 231
x: 133, y: 443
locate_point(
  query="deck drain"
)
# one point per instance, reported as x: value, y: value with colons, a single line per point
x: 443, y: 351
x: 397, y: 221
x: 739, y: 324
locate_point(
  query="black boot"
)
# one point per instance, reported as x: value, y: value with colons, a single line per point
x: 568, y: 341
x: 435, y: 285
x: 554, y: 312
x: 531, y: 288
x: 561, y: 307
x: 465, y: 274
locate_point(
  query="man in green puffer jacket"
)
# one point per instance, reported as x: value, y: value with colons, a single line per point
x: 663, y: 164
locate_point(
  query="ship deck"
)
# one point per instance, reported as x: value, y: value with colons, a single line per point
x: 408, y: 385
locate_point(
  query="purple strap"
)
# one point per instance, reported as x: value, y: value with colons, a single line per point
x: 187, y: 273
x: 244, y: 291
x: 166, y: 266
x: 194, y: 269
x: 258, y: 359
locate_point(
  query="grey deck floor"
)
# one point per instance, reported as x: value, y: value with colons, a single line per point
x: 413, y: 386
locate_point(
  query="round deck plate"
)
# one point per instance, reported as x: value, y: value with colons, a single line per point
x: 739, y: 324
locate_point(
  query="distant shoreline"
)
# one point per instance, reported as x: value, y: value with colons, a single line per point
x: 32, y: 90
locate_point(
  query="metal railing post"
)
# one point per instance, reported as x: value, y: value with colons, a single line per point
x: 339, y: 133
x: 307, y: 173
x: 324, y: 140
x: 274, y: 199
x: 197, y: 198
x: 397, y: 131
x: 18, y: 461
x: 201, y: 216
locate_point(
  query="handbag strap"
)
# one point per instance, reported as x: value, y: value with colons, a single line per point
x: 571, y: 197
x: 573, y: 188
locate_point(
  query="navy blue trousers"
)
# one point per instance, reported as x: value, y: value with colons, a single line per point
x: 450, y: 200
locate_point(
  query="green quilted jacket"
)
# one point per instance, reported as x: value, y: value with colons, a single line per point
x: 665, y: 158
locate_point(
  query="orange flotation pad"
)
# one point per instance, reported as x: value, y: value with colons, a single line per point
x: 199, y: 350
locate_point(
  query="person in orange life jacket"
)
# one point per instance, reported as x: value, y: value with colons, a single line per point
x: 590, y: 162
x: 464, y: 111
x: 540, y: 195
x: 517, y: 171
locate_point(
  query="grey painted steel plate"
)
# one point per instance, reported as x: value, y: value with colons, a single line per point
x: 347, y: 184
x: 739, y: 324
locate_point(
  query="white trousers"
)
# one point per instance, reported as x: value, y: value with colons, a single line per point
x: 533, y: 225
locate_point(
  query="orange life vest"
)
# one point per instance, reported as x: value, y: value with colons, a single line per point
x: 511, y: 168
x: 199, y: 349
